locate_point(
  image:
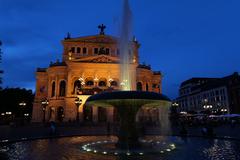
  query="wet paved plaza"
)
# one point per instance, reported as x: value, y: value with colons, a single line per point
x: 70, y: 148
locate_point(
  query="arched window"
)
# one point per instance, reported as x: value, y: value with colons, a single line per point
x: 114, y: 83
x: 73, y: 49
x: 95, y: 50
x: 53, y: 89
x: 62, y: 90
x: 78, y: 50
x: 77, y: 85
x: 139, y: 86
x: 84, y: 50
x: 89, y: 83
x: 146, y: 87
x: 102, y: 83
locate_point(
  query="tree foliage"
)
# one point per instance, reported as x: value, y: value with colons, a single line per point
x: 11, y: 97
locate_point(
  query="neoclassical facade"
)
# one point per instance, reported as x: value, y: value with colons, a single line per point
x: 89, y: 65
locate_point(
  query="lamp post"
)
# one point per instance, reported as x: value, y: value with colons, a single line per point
x: 78, y: 102
x: 44, y: 106
x: 175, y: 104
x: 22, y: 106
x: 224, y: 110
x: 208, y: 107
x: 174, y: 107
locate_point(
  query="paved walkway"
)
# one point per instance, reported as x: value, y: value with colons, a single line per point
x: 8, y: 133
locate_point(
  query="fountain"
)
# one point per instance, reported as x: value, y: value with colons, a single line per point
x: 127, y: 102
x: 125, y: 47
x: 127, y: 144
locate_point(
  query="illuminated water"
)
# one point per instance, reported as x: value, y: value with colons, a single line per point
x: 70, y: 148
x: 126, y: 48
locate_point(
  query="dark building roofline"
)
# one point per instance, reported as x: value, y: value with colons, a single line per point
x: 90, y: 36
x: 75, y: 39
x: 214, y: 83
x: 144, y: 66
x: 196, y: 79
x: 57, y: 64
x: 157, y: 73
x: 41, y: 69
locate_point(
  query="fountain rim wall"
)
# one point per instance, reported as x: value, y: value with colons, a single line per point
x: 121, y: 95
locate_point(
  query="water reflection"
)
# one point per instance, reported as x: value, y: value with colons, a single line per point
x: 70, y: 148
x: 222, y: 150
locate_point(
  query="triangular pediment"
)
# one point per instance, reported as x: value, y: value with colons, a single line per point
x: 98, y: 59
x: 94, y: 39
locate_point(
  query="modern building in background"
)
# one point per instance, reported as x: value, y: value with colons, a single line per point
x: 89, y: 65
x: 217, y: 95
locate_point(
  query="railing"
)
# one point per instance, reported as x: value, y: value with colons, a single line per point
x: 92, y: 91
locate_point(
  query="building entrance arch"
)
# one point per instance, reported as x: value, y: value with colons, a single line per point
x: 60, y: 114
x: 87, y: 113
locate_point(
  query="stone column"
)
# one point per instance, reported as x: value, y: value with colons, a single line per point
x: 81, y: 113
x: 37, y: 114
x: 133, y: 76
x: 69, y: 85
x: 52, y: 113
x: 110, y: 113
x: 70, y: 109
x: 95, y: 114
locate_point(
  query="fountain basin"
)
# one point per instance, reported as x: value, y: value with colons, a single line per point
x: 128, y: 104
x: 129, y: 98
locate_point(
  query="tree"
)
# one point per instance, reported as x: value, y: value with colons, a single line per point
x: 10, y: 99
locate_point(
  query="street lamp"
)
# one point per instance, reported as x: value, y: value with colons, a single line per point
x: 22, y: 106
x: 174, y: 107
x: 78, y: 102
x: 175, y: 104
x: 208, y: 107
x: 44, y: 106
x: 110, y: 81
x: 224, y: 110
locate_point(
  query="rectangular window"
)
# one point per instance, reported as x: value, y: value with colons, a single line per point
x: 107, y: 51
x: 118, y: 52
x: 84, y: 50
x: 113, y: 51
x: 78, y: 50
x: 95, y: 50
x: 73, y: 49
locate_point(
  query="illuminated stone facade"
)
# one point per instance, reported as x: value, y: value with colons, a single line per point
x: 89, y: 66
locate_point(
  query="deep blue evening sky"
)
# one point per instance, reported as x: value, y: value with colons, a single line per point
x: 182, y: 38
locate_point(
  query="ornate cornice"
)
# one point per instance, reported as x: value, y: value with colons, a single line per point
x: 94, y: 39
x: 98, y: 59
